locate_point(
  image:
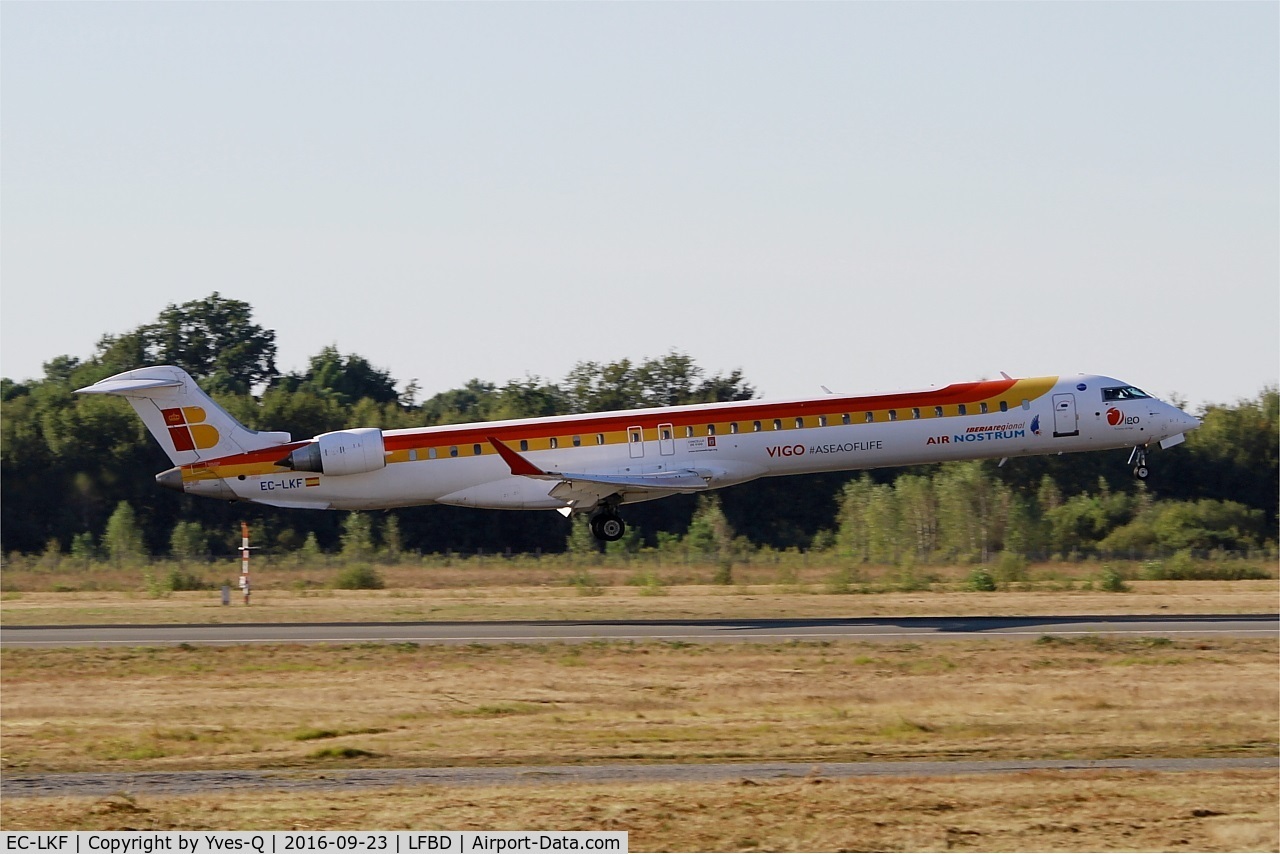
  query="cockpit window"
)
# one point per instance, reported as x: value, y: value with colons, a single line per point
x: 1127, y: 392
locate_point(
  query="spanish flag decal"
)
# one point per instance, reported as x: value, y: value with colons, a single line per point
x: 313, y: 481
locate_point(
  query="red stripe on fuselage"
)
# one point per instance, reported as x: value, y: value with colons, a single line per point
x: 264, y: 455
x: 648, y: 419
x: 697, y: 414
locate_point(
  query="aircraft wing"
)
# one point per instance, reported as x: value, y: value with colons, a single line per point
x: 586, y: 487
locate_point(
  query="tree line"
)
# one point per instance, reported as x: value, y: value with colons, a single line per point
x: 75, y: 471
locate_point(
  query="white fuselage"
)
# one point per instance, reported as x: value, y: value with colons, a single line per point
x: 724, y: 444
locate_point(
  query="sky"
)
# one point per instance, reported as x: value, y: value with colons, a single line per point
x: 868, y: 196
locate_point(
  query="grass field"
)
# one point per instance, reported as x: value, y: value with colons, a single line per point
x: 309, y: 708
x: 551, y: 590
x: 1092, y: 811
x: 152, y: 709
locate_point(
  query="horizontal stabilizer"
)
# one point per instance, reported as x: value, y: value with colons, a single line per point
x: 125, y: 387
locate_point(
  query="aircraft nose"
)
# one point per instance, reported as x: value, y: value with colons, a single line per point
x: 1183, y: 421
x: 1179, y: 421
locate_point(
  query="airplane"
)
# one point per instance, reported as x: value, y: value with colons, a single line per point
x: 594, y: 463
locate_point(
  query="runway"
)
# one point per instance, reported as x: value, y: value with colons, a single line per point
x: 670, y: 631
x: 883, y: 629
x: 189, y: 782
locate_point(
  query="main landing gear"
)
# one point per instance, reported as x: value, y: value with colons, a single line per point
x: 1139, y: 460
x: 607, y: 525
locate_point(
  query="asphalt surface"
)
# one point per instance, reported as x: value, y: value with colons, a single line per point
x: 689, y: 631
x: 190, y: 782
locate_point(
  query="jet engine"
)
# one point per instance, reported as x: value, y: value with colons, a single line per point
x: 341, y: 452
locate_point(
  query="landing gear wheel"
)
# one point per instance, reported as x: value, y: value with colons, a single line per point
x: 1139, y: 460
x: 608, y: 527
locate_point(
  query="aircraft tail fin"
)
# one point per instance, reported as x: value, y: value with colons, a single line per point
x: 187, y: 423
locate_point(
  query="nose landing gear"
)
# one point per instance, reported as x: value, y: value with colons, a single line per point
x: 1139, y: 461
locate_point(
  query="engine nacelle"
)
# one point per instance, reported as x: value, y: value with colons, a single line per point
x: 341, y: 452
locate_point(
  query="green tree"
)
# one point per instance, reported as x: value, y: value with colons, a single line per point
x: 347, y: 379
x: 580, y: 542
x: 528, y: 398
x: 1177, y: 525
x: 214, y: 340
x: 1233, y: 456
x: 189, y: 540
x: 310, y: 554
x: 82, y: 547
x: 473, y: 402
x: 852, y: 536
x: 357, y: 536
x: 1082, y: 521
x: 123, y: 537
x: 668, y: 380
x: 970, y: 505
x: 392, y: 542
x: 709, y: 532
x: 918, y: 513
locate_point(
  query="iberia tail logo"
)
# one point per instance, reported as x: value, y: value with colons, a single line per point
x: 187, y: 429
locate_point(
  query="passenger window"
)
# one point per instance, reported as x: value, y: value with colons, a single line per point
x: 937, y: 412
x: 756, y: 426
x: 962, y: 410
x: 453, y: 450
x: 982, y: 407
x: 822, y: 421
x: 688, y: 432
x: 845, y: 419
x: 476, y: 451
x: 1004, y: 406
x: 431, y: 453
x: 413, y: 455
x: 893, y: 415
x: 871, y: 417
x: 636, y: 436
x: 777, y: 424
x: 555, y: 443
x: 1026, y: 404
x: 599, y: 438
x: 577, y: 441
x: 666, y: 433
x: 711, y: 429
x: 915, y: 412
x: 524, y: 444
x: 799, y: 423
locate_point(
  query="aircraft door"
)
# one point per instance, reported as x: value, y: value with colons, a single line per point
x: 635, y: 442
x: 666, y: 439
x: 1064, y: 415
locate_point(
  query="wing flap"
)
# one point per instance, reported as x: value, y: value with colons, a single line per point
x: 686, y: 480
x: 577, y: 485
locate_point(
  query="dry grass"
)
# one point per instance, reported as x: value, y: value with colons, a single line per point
x: 605, y: 596
x: 318, y: 707
x: 1041, y: 811
x: 404, y: 705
